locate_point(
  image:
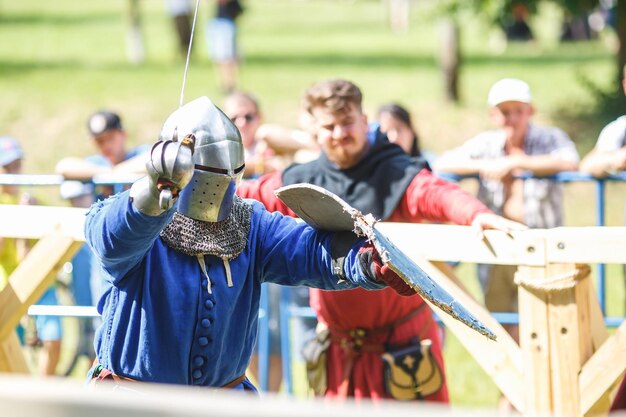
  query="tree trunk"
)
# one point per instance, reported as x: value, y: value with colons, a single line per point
x: 450, y: 57
x: 621, y: 34
x: 399, y: 15
x: 134, y: 37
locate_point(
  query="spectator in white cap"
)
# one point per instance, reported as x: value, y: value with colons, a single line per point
x: 109, y: 137
x: 498, y: 157
x: 609, y: 154
x: 608, y: 157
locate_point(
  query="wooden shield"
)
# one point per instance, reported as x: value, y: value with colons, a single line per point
x: 324, y: 210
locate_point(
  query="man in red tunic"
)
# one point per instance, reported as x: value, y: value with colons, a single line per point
x: 371, y: 174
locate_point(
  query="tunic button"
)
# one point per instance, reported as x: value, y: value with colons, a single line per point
x: 205, y: 322
x: 203, y: 341
x: 204, y: 283
x: 198, y: 361
x: 197, y: 374
x: 208, y: 304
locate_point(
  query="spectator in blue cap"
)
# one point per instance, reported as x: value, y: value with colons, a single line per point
x: 10, y: 160
x: 10, y: 163
x: 10, y: 150
x: 13, y: 250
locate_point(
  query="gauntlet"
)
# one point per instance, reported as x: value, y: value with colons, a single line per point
x: 170, y: 168
x: 374, y: 268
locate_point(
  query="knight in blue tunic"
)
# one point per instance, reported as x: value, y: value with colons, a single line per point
x: 184, y: 260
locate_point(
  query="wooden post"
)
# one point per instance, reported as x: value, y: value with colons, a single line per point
x: 570, y: 339
x: 555, y: 335
x: 533, y: 337
x: 570, y: 365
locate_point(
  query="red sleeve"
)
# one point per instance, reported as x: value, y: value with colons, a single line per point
x: 431, y: 198
x: 262, y: 190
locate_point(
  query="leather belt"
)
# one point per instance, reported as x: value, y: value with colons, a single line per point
x: 235, y: 382
x: 102, y: 374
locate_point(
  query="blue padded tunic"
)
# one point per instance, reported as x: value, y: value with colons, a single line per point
x: 159, y: 321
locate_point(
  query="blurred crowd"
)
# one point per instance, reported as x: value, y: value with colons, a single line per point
x: 498, y: 157
x: 380, y: 165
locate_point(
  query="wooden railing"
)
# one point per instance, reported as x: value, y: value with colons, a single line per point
x: 565, y: 364
x: 60, y: 234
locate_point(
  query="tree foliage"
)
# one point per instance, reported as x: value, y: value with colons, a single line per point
x: 499, y: 10
x: 500, y: 13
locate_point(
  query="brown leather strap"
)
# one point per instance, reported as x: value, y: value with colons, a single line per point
x: 104, y: 374
x: 123, y: 380
x: 118, y: 378
x: 363, y: 333
x: 235, y: 382
x: 352, y: 345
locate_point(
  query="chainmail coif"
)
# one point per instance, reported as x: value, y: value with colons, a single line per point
x: 226, y: 239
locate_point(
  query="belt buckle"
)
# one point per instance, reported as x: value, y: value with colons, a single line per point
x: 357, y: 337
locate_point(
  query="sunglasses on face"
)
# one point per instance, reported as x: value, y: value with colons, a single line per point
x: 246, y: 117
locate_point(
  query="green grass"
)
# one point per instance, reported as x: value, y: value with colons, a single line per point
x: 61, y: 60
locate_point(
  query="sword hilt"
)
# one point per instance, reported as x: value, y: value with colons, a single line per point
x: 165, y: 198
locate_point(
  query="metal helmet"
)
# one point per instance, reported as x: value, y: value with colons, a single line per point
x: 218, y: 159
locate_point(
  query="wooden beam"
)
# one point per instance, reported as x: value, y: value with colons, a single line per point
x: 501, y: 360
x: 530, y: 247
x: 599, y: 335
x: 586, y: 245
x: 603, y: 369
x: 31, y: 397
x: 12, y: 356
x: 448, y: 271
x: 603, y: 405
x: 32, y: 277
x: 438, y: 242
x: 35, y: 222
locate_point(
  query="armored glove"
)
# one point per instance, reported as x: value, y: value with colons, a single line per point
x: 375, y: 269
x: 170, y: 168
